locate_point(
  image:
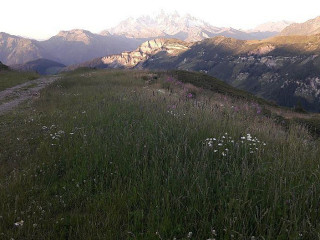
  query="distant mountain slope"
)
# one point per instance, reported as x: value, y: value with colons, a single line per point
x: 15, y: 50
x: 172, y: 47
x: 68, y: 47
x: 272, y: 26
x: 166, y: 25
x: 187, y: 28
x: 283, y: 69
x: 310, y: 27
x: 41, y: 66
x: 76, y: 46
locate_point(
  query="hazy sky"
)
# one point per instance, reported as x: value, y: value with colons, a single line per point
x: 41, y: 18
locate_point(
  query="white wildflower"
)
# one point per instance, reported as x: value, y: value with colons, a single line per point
x: 19, y: 224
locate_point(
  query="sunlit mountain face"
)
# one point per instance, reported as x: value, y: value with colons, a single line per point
x: 183, y: 27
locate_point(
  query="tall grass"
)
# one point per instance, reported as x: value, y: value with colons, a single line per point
x: 123, y: 155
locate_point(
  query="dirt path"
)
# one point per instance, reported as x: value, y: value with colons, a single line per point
x: 12, y: 97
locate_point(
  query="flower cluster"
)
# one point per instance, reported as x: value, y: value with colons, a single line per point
x: 57, y: 135
x: 225, y: 144
x: 221, y: 144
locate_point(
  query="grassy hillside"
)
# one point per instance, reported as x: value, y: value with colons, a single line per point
x: 10, y: 78
x: 147, y: 155
x: 205, y: 81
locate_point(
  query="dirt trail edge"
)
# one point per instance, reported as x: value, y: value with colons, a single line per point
x: 12, y: 97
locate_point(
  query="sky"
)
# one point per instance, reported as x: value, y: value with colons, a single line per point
x: 41, y: 19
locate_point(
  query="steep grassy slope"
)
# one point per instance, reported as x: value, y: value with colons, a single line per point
x: 283, y: 69
x: 142, y: 155
x: 205, y: 81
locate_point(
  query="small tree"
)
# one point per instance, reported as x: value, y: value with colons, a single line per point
x: 299, y: 108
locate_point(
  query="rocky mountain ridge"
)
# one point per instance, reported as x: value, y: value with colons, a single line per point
x: 147, y: 49
x: 15, y: 50
x: 183, y: 27
x: 171, y: 47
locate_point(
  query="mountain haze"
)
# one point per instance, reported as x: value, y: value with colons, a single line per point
x: 16, y: 50
x: 67, y: 47
x: 174, y: 25
x: 76, y: 46
x: 309, y: 27
x: 272, y: 26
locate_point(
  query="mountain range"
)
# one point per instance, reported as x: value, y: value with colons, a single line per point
x: 76, y: 46
x: 187, y: 28
x: 284, y: 68
x: 15, y: 50
x: 67, y: 47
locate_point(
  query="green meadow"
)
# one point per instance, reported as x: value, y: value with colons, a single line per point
x: 151, y: 155
x: 12, y: 78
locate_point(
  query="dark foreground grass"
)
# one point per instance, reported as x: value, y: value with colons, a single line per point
x: 12, y: 78
x: 109, y: 155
